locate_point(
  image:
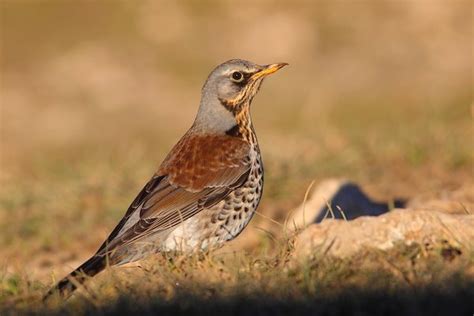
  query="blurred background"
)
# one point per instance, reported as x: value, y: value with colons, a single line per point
x: 95, y: 93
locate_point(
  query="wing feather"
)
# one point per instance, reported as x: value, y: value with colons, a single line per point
x: 198, y: 173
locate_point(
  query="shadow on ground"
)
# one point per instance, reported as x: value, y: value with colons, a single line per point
x: 430, y: 301
x: 452, y: 298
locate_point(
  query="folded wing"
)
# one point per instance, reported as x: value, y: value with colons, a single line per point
x: 199, y: 172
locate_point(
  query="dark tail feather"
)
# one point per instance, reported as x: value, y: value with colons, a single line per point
x: 66, y: 287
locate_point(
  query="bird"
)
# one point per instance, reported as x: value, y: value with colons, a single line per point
x: 205, y: 191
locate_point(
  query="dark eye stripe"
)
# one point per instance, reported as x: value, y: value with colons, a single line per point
x: 247, y: 76
x: 244, y: 81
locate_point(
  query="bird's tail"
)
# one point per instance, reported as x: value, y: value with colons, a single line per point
x: 68, y: 285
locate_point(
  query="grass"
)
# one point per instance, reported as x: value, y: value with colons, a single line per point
x: 66, y: 199
x: 413, y: 280
x: 65, y: 206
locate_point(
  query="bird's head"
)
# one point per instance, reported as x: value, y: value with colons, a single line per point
x: 231, y: 87
x: 236, y: 81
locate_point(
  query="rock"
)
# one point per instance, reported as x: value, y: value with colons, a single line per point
x: 407, y: 226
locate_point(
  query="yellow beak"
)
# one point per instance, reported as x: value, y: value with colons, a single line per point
x: 268, y: 69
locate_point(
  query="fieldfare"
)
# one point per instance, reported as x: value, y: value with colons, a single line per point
x: 206, y: 190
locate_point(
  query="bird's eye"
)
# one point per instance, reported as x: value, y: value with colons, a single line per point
x: 237, y: 76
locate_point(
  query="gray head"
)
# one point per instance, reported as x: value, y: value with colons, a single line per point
x: 228, y: 92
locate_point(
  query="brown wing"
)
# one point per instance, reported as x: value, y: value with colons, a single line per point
x: 199, y: 172
x: 147, y: 190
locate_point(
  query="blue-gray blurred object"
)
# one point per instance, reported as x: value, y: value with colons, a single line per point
x: 338, y: 199
x: 355, y: 203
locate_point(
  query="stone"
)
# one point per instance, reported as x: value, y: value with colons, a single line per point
x: 342, y: 239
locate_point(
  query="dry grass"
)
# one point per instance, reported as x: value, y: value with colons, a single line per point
x: 93, y: 95
x: 407, y: 279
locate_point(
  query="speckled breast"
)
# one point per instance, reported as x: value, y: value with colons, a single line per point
x: 224, y: 221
